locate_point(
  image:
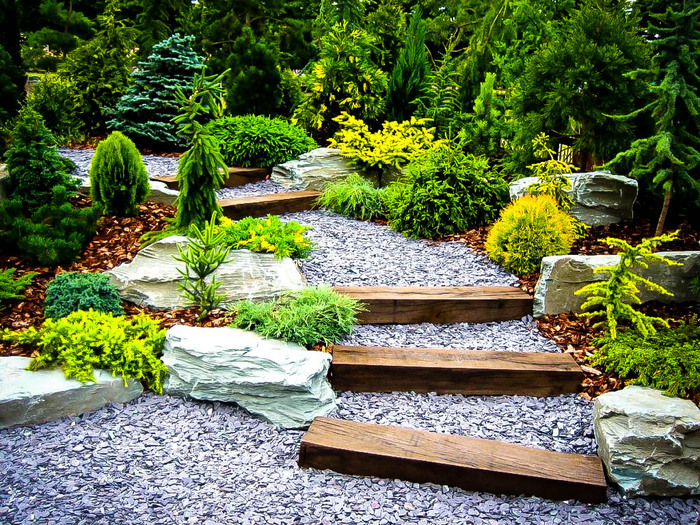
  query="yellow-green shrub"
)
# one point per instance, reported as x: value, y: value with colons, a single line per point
x: 529, y: 229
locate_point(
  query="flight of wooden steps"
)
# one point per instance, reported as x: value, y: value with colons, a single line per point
x: 438, y: 305
x: 274, y: 204
x: 448, y: 371
x: 235, y: 177
x: 473, y: 464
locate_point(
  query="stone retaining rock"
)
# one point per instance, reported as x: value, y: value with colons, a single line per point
x: 649, y: 443
x: 282, y: 382
x: 562, y: 275
x: 151, y: 279
x: 160, y: 193
x: 599, y: 198
x: 312, y: 170
x: 34, y: 397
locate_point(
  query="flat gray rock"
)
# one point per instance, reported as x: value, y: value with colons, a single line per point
x: 34, y: 397
x: 282, y: 382
x: 160, y: 193
x: 599, y: 198
x: 562, y: 275
x: 313, y: 170
x: 649, y: 443
x: 151, y: 279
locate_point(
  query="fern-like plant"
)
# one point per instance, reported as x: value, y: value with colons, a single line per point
x: 611, y: 298
x: 205, y: 252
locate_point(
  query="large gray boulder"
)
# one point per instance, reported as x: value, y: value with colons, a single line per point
x: 34, y: 397
x: 282, y: 382
x: 562, y: 275
x: 160, y: 193
x: 599, y: 198
x: 649, y: 443
x: 151, y: 279
x: 313, y: 170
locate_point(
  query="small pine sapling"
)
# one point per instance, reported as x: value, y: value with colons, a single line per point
x: 204, y: 254
x: 611, y: 298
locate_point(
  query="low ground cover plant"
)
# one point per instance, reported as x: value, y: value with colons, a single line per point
x: 308, y: 317
x: 354, y: 196
x: 73, y: 291
x: 83, y: 341
x: 668, y: 359
x: 11, y: 286
x: 258, y: 141
x: 118, y: 177
x: 529, y: 229
x: 267, y: 235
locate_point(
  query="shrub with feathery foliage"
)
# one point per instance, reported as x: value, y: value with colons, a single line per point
x: 11, y: 286
x: 268, y: 235
x: 353, y: 196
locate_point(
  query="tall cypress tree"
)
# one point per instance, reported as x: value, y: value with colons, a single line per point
x: 669, y: 160
x: 146, y: 111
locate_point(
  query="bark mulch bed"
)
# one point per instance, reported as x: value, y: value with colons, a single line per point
x: 116, y: 242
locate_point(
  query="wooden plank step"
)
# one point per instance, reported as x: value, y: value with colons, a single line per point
x: 236, y: 177
x: 470, y: 463
x: 275, y: 204
x: 449, y: 371
x: 449, y: 304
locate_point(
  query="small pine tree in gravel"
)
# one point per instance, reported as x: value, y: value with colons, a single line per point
x: 146, y: 111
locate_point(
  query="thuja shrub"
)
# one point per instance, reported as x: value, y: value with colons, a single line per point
x: 446, y: 191
x: 267, y: 235
x: 308, y: 317
x: 668, y: 359
x: 353, y: 196
x: 258, y: 141
x: 528, y: 230
x: 53, y: 234
x: 118, y: 177
x: 11, y: 287
x: 83, y: 341
x: 73, y: 291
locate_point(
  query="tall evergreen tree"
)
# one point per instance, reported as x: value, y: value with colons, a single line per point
x: 157, y: 20
x: 146, y: 110
x: 669, y: 160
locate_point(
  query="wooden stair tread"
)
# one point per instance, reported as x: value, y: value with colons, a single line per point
x: 450, y: 371
x: 470, y: 463
x: 271, y: 204
x: 449, y: 304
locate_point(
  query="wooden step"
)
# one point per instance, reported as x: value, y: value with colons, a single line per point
x: 448, y: 371
x: 275, y: 204
x: 236, y: 177
x: 470, y: 463
x: 454, y: 304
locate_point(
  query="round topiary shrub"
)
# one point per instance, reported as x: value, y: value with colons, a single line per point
x: 118, y: 177
x: 256, y: 141
x: 73, y: 291
x: 529, y: 229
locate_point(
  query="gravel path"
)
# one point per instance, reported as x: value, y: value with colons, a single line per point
x: 163, y: 460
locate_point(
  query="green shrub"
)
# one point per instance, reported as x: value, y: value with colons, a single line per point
x: 118, y: 177
x: 53, y: 98
x: 668, y: 359
x: 204, y: 254
x: 11, y: 81
x: 33, y: 164
x: 308, y: 317
x: 528, y: 230
x: 353, y: 196
x: 447, y: 191
x: 10, y: 287
x: 270, y: 235
x: 610, y: 298
x: 73, y: 291
x: 83, y: 341
x: 53, y: 234
x: 257, y: 141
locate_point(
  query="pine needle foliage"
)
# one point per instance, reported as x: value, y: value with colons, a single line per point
x: 354, y: 196
x: 668, y: 360
x: 11, y: 286
x: 611, y: 298
x: 118, y: 177
x: 202, y: 167
x: 83, y: 341
x: 205, y: 252
x: 308, y: 317
x: 485, y: 123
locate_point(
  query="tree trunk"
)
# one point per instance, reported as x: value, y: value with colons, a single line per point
x: 664, y: 212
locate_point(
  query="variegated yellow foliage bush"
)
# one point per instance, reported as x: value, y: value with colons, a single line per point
x: 269, y: 235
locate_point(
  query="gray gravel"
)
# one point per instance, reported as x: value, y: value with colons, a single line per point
x: 264, y: 187
x: 156, y: 166
x: 165, y: 460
